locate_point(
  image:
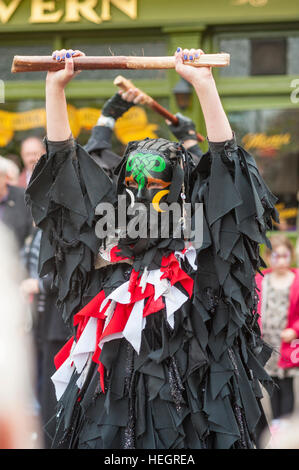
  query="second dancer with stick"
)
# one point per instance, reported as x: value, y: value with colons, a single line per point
x: 99, y: 144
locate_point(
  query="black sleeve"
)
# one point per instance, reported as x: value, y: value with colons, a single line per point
x: 238, y: 209
x: 99, y: 148
x: 237, y: 212
x: 46, y: 284
x: 100, y: 139
x: 29, y: 223
x: 196, y: 152
x: 63, y: 193
x: 236, y: 199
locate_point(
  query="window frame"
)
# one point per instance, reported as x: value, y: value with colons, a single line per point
x: 84, y: 89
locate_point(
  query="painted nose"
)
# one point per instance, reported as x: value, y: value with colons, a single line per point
x: 141, y: 194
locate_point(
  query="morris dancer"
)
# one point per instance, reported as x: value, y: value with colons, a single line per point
x: 166, y: 351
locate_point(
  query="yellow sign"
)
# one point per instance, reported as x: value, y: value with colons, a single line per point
x: 286, y: 213
x: 263, y: 141
x: 133, y: 125
x: 45, y: 11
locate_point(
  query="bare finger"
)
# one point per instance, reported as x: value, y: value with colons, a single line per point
x: 178, y: 51
x: 139, y: 98
x: 185, y: 54
x: 191, y: 54
x: 60, y: 54
x: 178, y: 56
x: 78, y: 53
x: 69, y: 65
x: 198, y: 53
x: 69, y: 53
x: 129, y: 95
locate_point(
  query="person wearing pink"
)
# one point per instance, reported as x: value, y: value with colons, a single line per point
x: 278, y: 308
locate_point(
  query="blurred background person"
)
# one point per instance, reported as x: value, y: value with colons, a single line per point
x: 32, y: 148
x: 13, y: 211
x: 283, y: 225
x: 19, y: 427
x: 279, y: 310
x: 297, y: 242
x: 16, y: 159
x: 49, y: 334
x: 13, y: 172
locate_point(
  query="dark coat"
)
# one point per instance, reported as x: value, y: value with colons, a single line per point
x: 49, y: 332
x: 50, y: 326
x: 22, y: 182
x: 99, y: 146
x: 196, y: 386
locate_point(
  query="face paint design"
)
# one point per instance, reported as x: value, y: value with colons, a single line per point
x: 156, y: 199
x: 146, y: 175
x: 131, y: 196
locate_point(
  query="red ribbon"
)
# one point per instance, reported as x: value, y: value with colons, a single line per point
x: 171, y: 270
x: 64, y: 353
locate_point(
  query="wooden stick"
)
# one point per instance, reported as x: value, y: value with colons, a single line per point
x: 126, y: 84
x: 47, y: 63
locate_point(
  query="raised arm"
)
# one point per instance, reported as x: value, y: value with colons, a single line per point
x: 201, y: 78
x: 65, y: 188
x: 58, y: 126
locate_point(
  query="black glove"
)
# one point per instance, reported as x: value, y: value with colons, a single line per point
x: 115, y: 107
x: 182, y: 130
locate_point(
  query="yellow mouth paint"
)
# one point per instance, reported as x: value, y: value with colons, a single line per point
x: 156, y: 199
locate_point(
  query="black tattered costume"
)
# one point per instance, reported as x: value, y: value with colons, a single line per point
x: 166, y: 352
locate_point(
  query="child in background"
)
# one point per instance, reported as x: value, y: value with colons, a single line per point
x: 297, y: 250
x: 279, y: 310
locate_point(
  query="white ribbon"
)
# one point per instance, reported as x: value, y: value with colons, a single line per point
x: 190, y: 254
x: 135, y: 324
x: 82, y: 351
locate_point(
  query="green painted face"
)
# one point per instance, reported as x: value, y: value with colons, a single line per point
x: 147, y: 173
x: 141, y: 165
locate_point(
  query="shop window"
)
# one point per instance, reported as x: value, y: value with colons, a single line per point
x: 150, y: 49
x: 293, y: 55
x: 271, y: 136
x: 239, y: 50
x: 260, y: 56
x: 28, y: 117
x: 7, y: 53
x: 268, y: 56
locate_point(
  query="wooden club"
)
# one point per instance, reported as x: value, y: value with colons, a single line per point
x: 47, y: 63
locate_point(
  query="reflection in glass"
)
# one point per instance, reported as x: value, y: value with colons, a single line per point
x: 293, y: 55
x: 239, y: 50
x: 7, y: 54
x: 261, y: 56
x: 271, y: 136
x: 268, y: 56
